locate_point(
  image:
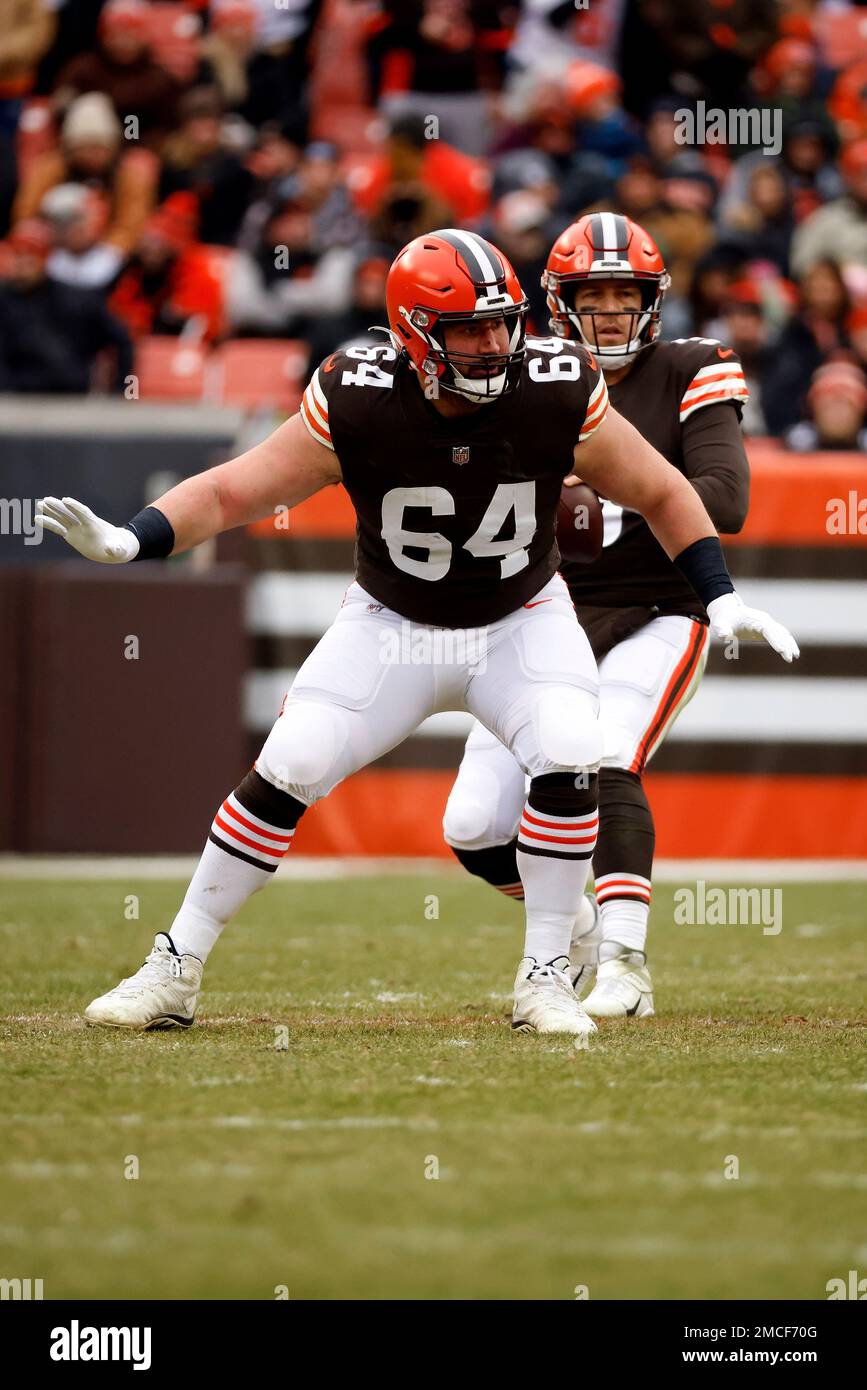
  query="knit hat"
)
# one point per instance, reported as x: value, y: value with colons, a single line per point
x: 91, y: 119
x: 585, y: 82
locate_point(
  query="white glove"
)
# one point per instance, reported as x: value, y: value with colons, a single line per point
x: 730, y: 617
x: 85, y: 532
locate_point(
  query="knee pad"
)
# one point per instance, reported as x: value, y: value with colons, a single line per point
x: 302, y: 750
x: 479, y: 819
x: 481, y: 810
x: 569, y: 732
x: 465, y: 821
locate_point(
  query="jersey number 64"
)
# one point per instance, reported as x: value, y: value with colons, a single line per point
x: 512, y: 552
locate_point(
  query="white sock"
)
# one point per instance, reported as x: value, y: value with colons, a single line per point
x: 218, y: 889
x: 553, y: 882
x: 624, y: 927
x: 249, y: 835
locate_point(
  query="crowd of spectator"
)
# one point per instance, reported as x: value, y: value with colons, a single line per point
x: 212, y: 199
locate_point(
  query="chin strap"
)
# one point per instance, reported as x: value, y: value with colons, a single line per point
x: 463, y: 386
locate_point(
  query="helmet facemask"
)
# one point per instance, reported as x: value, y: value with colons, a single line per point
x: 644, y: 321
x: 478, y: 377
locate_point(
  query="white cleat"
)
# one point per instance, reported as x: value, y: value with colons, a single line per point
x: 623, y: 988
x: 545, y: 1001
x: 584, y: 946
x: 162, y: 994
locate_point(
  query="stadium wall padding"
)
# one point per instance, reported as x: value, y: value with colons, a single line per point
x: 127, y: 707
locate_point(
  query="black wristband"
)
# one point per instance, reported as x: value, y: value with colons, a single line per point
x: 154, y: 533
x: 703, y: 564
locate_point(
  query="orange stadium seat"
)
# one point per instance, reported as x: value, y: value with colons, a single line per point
x: 339, y: 76
x: 169, y: 369
x: 258, y: 372
x: 338, y: 81
x: 175, y: 38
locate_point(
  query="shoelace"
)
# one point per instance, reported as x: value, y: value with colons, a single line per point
x: 152, y: 972
x: 548, y: 974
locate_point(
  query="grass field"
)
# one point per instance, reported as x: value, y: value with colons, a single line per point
x: 306, y: 1167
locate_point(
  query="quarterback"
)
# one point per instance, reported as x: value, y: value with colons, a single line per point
x: 452, y: 441
x: 605, y: 280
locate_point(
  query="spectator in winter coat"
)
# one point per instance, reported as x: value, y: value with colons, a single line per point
x: 51, y: 334
x: 760, y: 222
x: 122, y: 67
x: 172, y: 282
x: 366, y: 311
x: 91, y: 153
x: 839, y: 229
x: 410, y: 158
x: 77, y: 218
x: 807, y: 340
x: 196, y: 160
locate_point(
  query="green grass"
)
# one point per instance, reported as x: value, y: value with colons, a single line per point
x: 306, y: 1167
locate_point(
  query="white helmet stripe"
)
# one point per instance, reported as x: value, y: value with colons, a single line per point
x: 476, y: 253
x: 476, y: 247
x: 609, y: 233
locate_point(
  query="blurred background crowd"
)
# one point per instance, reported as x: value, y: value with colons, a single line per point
x: 187, y: 175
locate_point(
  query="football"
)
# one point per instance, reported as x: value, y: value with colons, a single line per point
x: 579, y: 524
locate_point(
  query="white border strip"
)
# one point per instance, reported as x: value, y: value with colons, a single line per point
x: 295, y: 866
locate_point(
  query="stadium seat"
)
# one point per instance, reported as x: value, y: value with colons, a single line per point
x: 170, y: 369
x: 175, y: 38
x: 339, y: 75
x: 338, y: 80
x: 258, y: 372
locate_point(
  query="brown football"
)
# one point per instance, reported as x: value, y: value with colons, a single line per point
x: 579, y: 524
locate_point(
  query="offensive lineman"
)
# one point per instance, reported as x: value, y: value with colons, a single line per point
x: 606, y: 281
x: 455, y: 505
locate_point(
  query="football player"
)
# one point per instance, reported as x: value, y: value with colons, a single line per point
x: 436, y: 437
x: 647, y: 624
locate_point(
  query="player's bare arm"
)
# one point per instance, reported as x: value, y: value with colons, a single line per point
x: 285, y: 469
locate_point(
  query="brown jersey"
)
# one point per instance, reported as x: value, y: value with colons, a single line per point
x: 455, y: 515
x: 670, y: 395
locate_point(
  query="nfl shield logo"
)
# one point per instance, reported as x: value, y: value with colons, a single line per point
x: 461, y: 453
